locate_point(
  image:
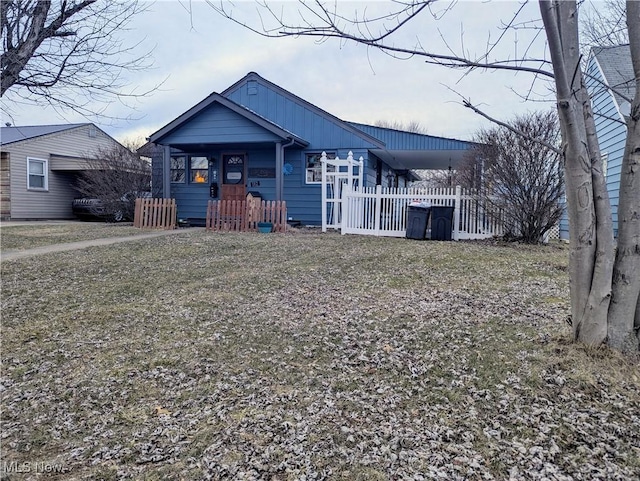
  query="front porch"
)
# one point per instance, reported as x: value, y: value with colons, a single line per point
x: 199, y: 174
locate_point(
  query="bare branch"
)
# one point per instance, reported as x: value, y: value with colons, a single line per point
x: 517, y: 176
x: 67, y: 53
x: 329, y: 24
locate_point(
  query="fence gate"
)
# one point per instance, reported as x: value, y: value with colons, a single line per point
x: 336, y: 173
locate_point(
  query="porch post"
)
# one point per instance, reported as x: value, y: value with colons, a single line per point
x: 279, y: 164
x: 166, y: 172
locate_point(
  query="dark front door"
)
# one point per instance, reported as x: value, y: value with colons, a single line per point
x: 233, y: 177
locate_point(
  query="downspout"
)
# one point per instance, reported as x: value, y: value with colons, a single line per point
x: 280, y: 168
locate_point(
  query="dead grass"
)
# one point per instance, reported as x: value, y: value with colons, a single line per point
x: 21, y: 237
x: 249, y: 356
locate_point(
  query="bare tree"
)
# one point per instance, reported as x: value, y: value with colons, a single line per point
x: 605, y: 285
x: 67, y: 53
x: 605, y: 24
x: 516, y: 177
x: 412, y: 126
x: 115, y: 178
x: 437, y: 178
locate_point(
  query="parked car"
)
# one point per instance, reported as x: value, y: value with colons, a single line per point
x: 87, y: 208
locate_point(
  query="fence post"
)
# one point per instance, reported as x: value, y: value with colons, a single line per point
x: 346, y: 220
x: 377, y: 210
x: 323, y: 161
x: 456, y: 213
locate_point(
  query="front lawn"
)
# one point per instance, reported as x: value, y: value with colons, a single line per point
x: 306, y: 356
x: 39, y: 234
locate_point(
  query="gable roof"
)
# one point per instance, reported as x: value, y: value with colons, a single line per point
x: 298, y: 100
x: 615, y: 63
x: 8, y: 135
x: 215, y: 97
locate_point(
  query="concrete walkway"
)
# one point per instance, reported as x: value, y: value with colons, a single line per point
x: 70, y: 246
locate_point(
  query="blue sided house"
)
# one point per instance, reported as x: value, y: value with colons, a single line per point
x: 258, y: 138
x: 611, y: 84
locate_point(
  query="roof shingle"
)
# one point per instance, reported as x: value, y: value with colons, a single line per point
x: 616, y: 66
x: 9, y: 135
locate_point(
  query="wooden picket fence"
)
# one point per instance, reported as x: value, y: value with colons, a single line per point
x: 155, y: 214
x: 243, y: 216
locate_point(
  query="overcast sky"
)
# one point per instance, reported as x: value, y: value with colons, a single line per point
x: 197, y: 51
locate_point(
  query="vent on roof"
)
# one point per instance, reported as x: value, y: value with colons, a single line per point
x: 92, y: 132
x: 252, y: 87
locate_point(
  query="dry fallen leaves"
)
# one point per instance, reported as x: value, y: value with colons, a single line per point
x: 308, y: 356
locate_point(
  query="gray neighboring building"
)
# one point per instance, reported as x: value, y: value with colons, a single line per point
x: 39, y: 166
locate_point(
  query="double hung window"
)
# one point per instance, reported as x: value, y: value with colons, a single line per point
x: 37, y: 174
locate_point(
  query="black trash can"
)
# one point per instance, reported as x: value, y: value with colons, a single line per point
x: 417, y: 222
x: 441, y: 222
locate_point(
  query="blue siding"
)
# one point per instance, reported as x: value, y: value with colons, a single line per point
x: 218, y: 124
x: 611, y: 138
x: 304, y: 200
x: 156, y: 176
x: 262, y: 159
x: 191, y: 200
x: 321, y: 131
x: 611, y: 134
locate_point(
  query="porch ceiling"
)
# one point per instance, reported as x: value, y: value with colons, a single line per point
x: 420, y: 159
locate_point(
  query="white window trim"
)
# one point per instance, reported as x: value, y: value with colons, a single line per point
x: 330, y: 155
x: 45, y: 168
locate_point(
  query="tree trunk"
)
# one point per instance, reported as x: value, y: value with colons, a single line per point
x: 624, y: 312
x: 589, y: 263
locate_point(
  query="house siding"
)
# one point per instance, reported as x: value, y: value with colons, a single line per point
x: 611, y: 133
x: 55, y: 203
x: 218, y: 124
x: 304, y: 201
x: 320, y: 130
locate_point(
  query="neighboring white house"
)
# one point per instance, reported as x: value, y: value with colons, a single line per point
x: 40, y: 165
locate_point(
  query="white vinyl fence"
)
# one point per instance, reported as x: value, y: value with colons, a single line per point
x: 336, y: 175
x: 383, y: 211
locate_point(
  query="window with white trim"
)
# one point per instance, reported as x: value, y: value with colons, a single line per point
x: 313, y: 167
x: 37, y: 174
